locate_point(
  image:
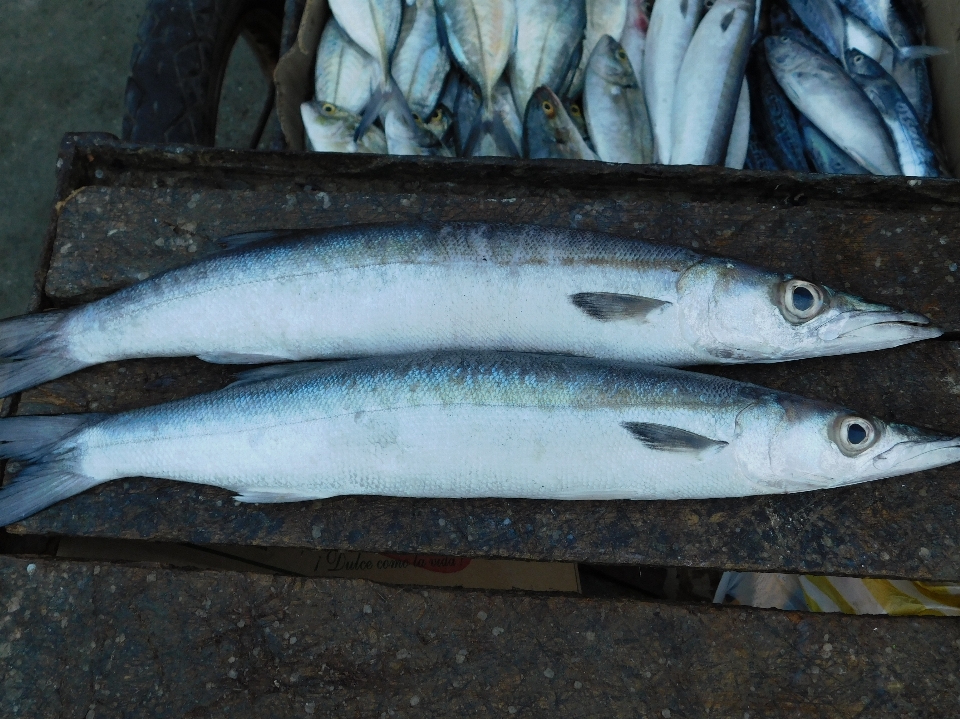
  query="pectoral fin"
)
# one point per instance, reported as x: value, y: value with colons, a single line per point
x: 610, y: 306
x: 671, y: 439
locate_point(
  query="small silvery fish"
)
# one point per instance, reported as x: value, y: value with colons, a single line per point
x: 614, y: 106
x: 634, y: 36
x: 825, y: 20
x: 913, y: 150
x: 672, y: 23
x: 420, y: 64
x: 481, y: 36
x: 740, y: 134
x: 709, y: 84
x: 773, y: 117
x: 549, y: 132
x: 329, y: 128
x: 604, y: 17
x: 469, y: 425
x: 345, y: 75
x: 827, y: 158
x: 388, y: 289
x: 549, y: 35
x: 831, y: 100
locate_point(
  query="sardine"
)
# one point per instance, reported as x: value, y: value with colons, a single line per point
x: 329, y: 128
x: 469, y: 425
x: 826, y: 157
x: 831, y: 100
x: 345, y: 75
x: 740, y: 134
x: 604, y: 17
x: 481, y: 36
x: 634, y: 36
x: 672, y: 23
x: 709, y: 84
x: 773, y: 116
x: 913, y: 150
x: 388, y: 289
x: 548, y: 131
x: 420, y: 64
x: 824, y: 19
x: 549, y: 35
x: 615, y: 108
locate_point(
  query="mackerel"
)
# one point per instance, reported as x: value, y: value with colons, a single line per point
x: 826, y: 157
x: 386, y: 289
x: 469, y: 425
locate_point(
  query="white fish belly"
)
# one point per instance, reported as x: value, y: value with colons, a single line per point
x: 430, y: 451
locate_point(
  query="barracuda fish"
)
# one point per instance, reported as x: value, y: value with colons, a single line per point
x: 474, y: 425
x: 604, y: 17
x: 345, y: 75
x: 374, y: 25
x: 329, y: 128
x: 913, y: 151
x: 825, y: 20
x: 827, y: 158
x: 672, y: 23
x: 549, y: 38
x: 773, y: 116
x: 481, y: 36
x: 548, y: 131
x: 388, y: 289
x: 420, y: 64
x: 634, y: 36
x: 709, y: 84
x: 740, y: 134
x: 615, y: 108
x: 831, y: 100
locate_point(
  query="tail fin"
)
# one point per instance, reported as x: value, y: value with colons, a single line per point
x: 490, y: 123
x: 920, y: 52
x: 53, y: 474
x: 380, y: 99
x: 32, y: 344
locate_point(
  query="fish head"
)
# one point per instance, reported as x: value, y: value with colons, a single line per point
x: 793, y: 444
x: 438, y: 123
x: 862, y: 65
x: 739, y: 313
x: 575, y: 113
x: 609, y: 61
x: 547, y: 128
x: 324, y: 123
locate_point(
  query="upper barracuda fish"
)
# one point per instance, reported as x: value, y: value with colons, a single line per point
x: 604, y: 17
x: 614, y: 106
x: 420, y: 64
x: 387, y: 289
x: 550, y: 132
x: 672, y: 23
x: 825, y: 20
x: 740, y: 134
x: 481, y: 35
x: 329, y: 128
x: 634, y: 36
x: 913, y: 151
x: 709, y: 84
x: 345, y: 75
x: 549, y: 37
x: 773, y: 117
x: 469, y: 425
x: 827, y: 158
x: 831, y: 100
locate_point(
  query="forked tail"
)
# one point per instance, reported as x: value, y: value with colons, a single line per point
x: 489, y: 122
x: 32, y: 351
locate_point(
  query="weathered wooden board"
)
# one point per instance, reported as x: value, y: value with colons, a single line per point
x: 149, y: 642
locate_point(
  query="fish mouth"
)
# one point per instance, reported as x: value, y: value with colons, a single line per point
x: 878, y: 329
x: 914, y: 456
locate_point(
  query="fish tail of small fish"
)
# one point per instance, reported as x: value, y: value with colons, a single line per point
x: 53, y: 472
x: 489, y: 122
x: 33, y: 351
x: 387, y: 96
x: 919, y: 52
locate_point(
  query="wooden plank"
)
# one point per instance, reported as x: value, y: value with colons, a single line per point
x: 125, y: 641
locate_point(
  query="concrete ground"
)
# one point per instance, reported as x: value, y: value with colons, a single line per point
x: 63, y: 68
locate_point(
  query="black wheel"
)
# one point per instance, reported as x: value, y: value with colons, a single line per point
x: 179, y: 61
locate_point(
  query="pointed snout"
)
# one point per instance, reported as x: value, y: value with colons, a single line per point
x: 864, y: 330
x: 917, y: 455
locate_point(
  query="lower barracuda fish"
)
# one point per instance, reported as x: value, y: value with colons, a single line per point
x: 826, y: 157
x: 825, y: 93
x: 389, y: 289
x: 913, y: 150
x: 550, y: 132
x: 469, y: 425
x: 329, y: 128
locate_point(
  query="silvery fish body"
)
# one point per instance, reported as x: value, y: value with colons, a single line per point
x: 549, y: 33
x: 709, y: 84
x: 387, y: 289
x: 470, y: 425
x: 374, y: 25
x: 672, y: 23
x: 550, y: 132
x: 914, y: 79
x: 876, y: 14
x: 740, y: 134
x: 420, y: 64
x: 825, y: 20
x: 773, y: 117
x: 332, y: 129
x: 508, y: 112
x: 913, y: 150
x: 634, y: 36
x: 416, y: 139
x: 859, y: 36
x: 831, y: 100
x: 615, y: 108
x: 827, y: 158
x: 345, y: 75
x: 604, y: 17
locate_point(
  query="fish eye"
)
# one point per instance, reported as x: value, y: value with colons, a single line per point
x: 437, y: 115
x: 853, y: 435
x: 575, y: 109
x: 416, y: 117
x: 328, y: 108
x: 801, y: 301
x: 548, y: 108
x: 621, y: 54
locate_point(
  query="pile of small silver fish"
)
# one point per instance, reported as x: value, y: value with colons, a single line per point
x: 475, y: 360
x: 839, y: 85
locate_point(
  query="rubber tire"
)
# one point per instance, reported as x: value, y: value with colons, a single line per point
x: 179, y: 61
